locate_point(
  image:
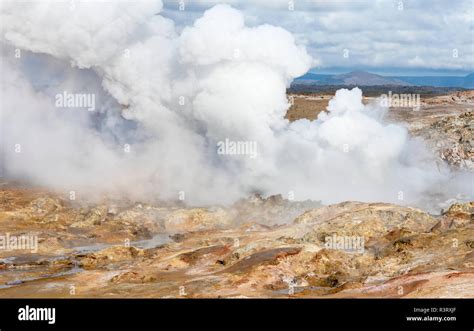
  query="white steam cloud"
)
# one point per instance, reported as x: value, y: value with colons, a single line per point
x: 165, y: 100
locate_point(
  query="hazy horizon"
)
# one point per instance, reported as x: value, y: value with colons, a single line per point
x: 390, y: 72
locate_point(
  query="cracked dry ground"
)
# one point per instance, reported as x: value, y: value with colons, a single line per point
x: 147, y: 251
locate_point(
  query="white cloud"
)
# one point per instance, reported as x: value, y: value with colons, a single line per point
x: 423, y: 34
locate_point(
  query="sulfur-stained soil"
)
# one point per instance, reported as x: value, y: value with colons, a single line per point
x: 140, y: 252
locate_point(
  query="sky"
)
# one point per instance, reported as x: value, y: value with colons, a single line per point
x: 388, y: 37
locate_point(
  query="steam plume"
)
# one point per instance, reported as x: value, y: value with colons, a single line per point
x: 165, y: 100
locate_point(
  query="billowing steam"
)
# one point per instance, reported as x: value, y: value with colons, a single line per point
x: 200, y: 113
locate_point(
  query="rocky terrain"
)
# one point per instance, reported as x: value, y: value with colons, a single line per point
x: 258, y: 247
x: 148, y: 251
x: 446, y: 123
x: 460, y: 97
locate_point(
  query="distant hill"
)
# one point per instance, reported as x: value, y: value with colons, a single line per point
x: 441, y: 81
x: 362, y: 78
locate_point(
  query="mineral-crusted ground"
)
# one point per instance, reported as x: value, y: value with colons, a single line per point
x: 146, y: 251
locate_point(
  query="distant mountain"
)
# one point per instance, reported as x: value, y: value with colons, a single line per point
x: 362, y: 78
x: 441, y: 81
